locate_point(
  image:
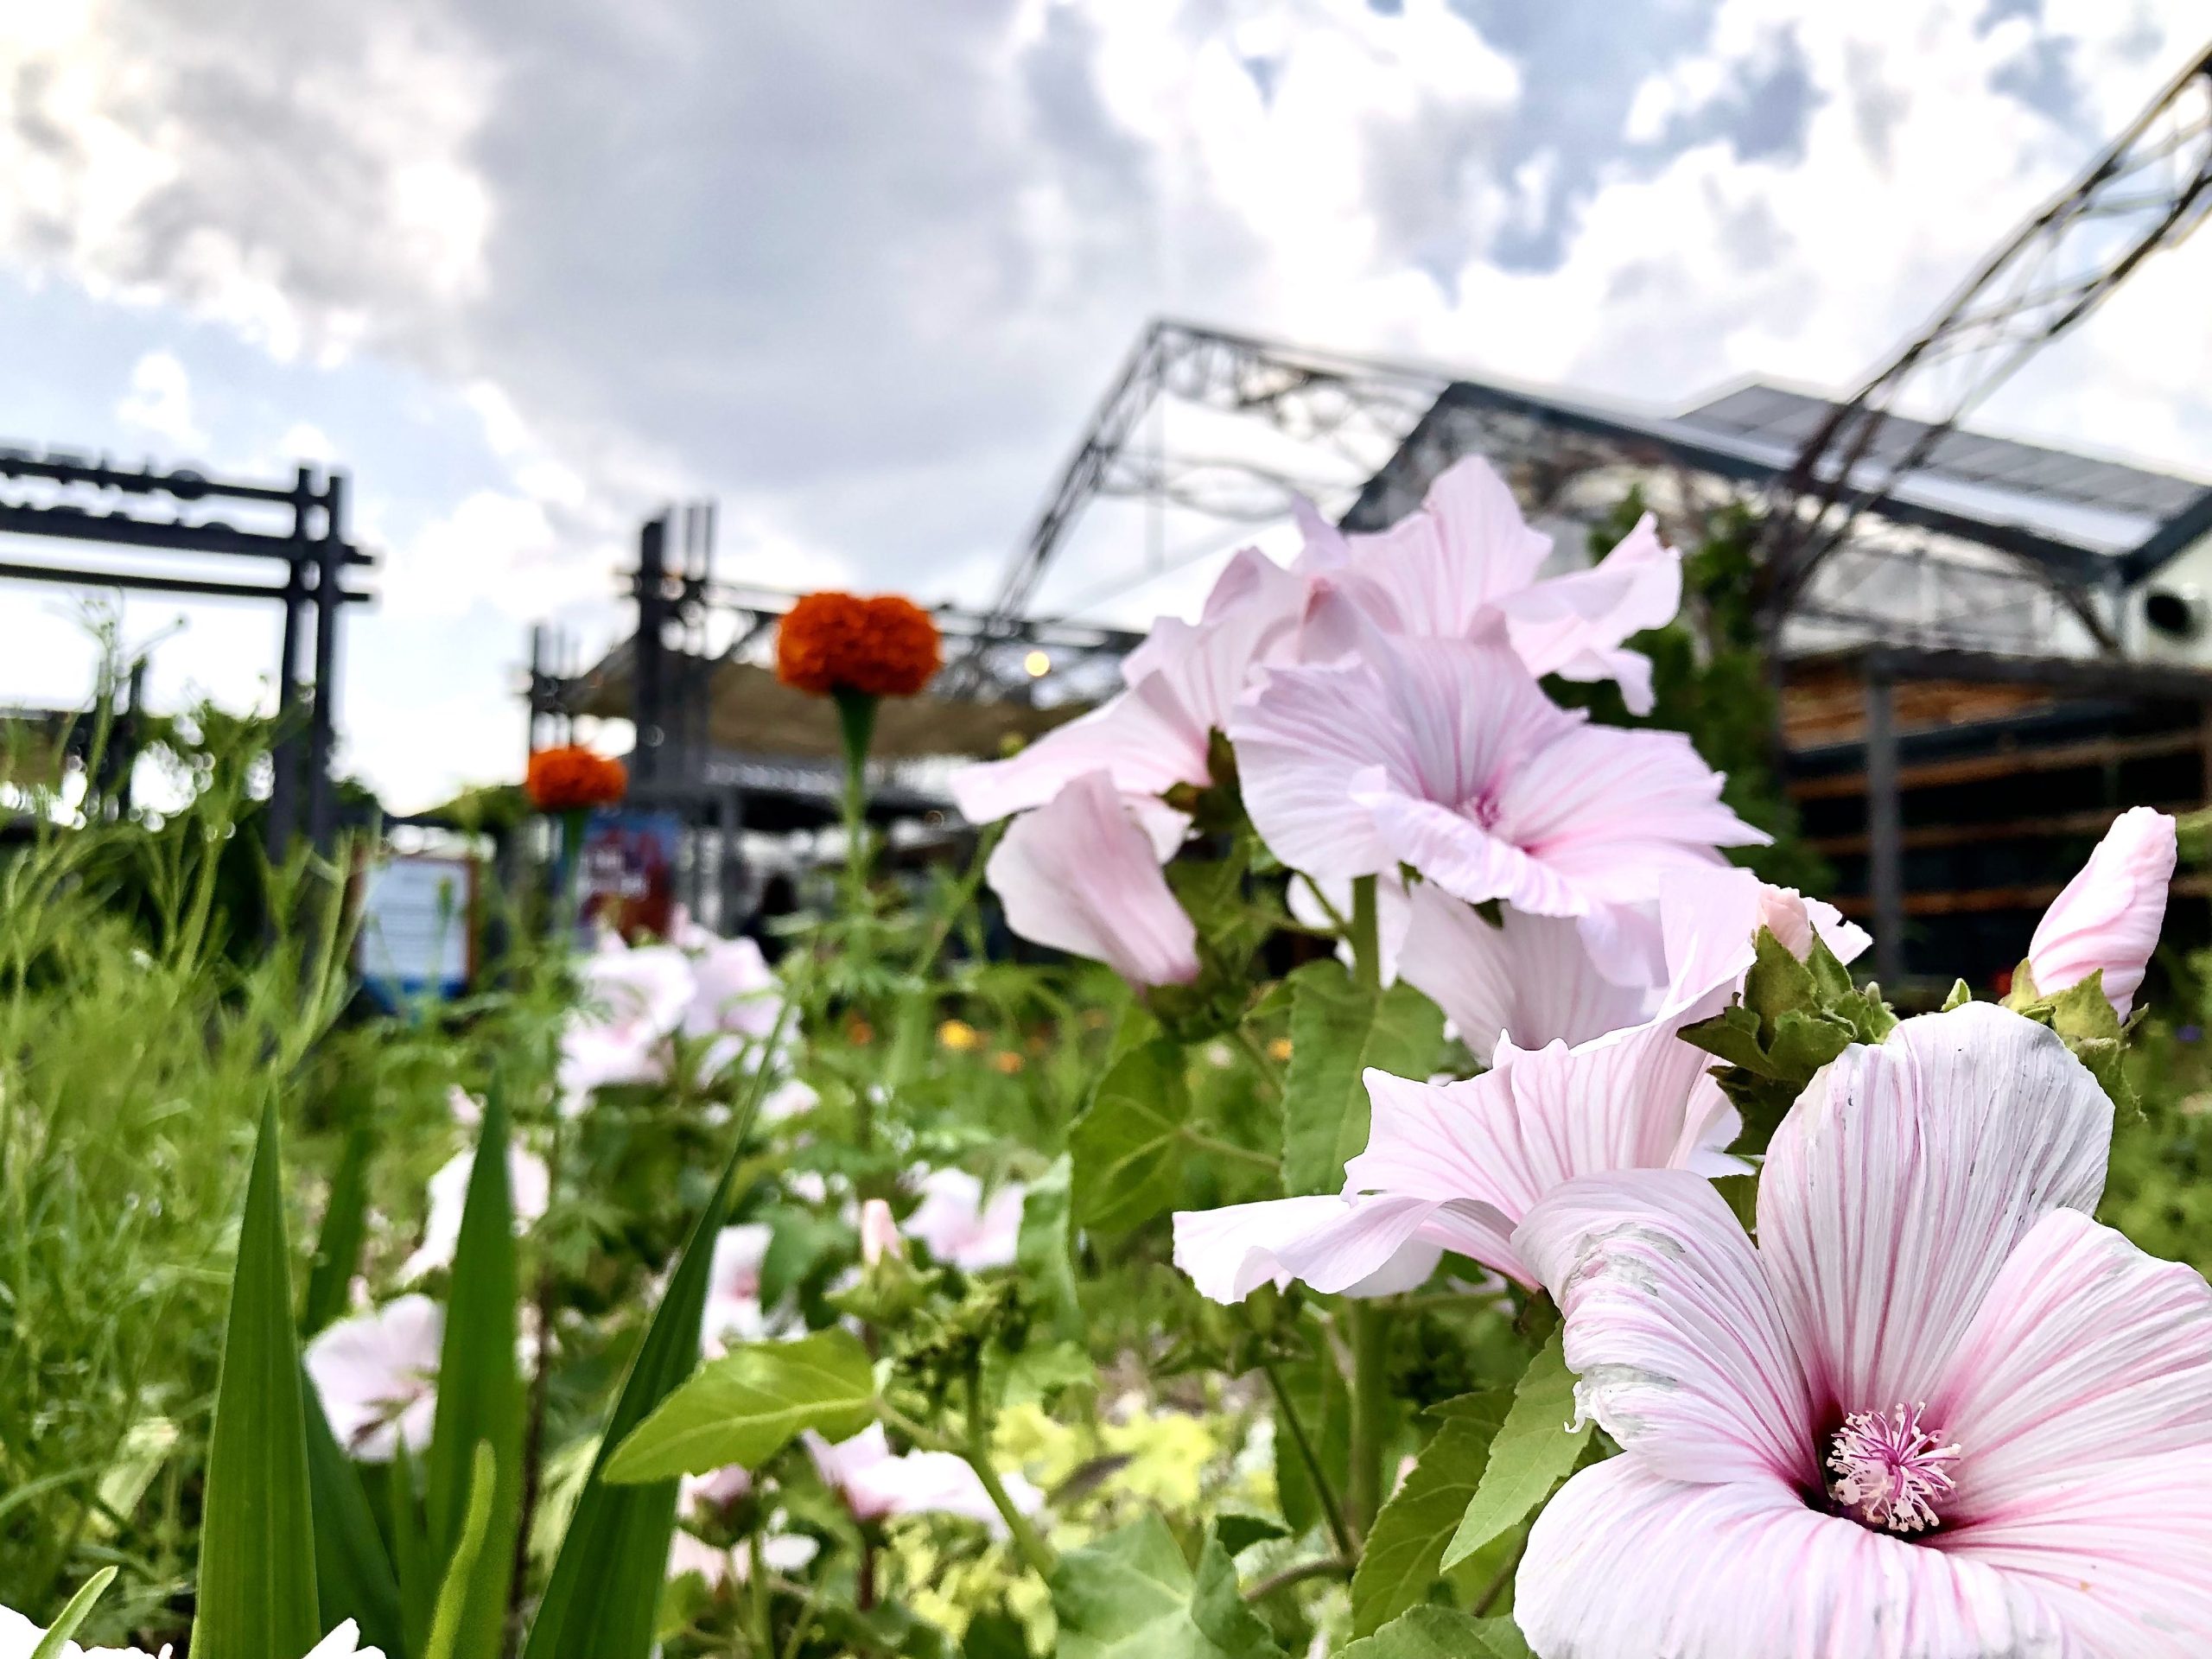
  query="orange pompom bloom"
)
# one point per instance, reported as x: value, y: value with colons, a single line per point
x: 883, y: 647
x: 571, y: 777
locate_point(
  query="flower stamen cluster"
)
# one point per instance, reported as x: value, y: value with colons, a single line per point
x: 1892, y: 1470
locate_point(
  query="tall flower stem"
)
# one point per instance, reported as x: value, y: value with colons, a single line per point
x: 1364, y: 1327
x: 856, y: 724
x: 977, y: 1451
x: 1366, y: 947
x: 567, y: 875
x: 1324, y: 1494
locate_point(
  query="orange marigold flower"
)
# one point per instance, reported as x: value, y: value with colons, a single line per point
x: 884, y: 647
x: 571, y: 777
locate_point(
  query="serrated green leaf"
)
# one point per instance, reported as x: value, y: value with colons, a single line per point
x: 257, y: 1595
x: 1777, y: 983
x: 1732, y: 1035
x: 55, y: 1642
x: 1404, y: 1549
x: 605, y: 1586
x: 1831, y: 979
x: 1128, y: 1596
x: 1339, y: 1030
x: 354, y: 1573
x: 1239, y: 1531
x: 1804, y: 1042
x: 1429, y: 1632
x: 480, y: 1397
x: 745, y: 1407
x: 1126, y: 1148
x: 1533, y: 1450
x: 1218, y: 1609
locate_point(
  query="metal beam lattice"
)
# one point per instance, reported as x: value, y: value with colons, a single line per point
x: 2145, y: 191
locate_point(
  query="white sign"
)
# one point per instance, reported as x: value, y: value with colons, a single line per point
x: 415, y: 925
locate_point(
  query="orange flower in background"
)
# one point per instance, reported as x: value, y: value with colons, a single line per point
x: 571, y: 777
x: 884, y: 647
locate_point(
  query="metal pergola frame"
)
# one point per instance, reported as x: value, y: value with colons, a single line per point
x: 314, y: 552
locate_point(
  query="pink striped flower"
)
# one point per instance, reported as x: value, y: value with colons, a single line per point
x: 1935, y: 1413
x: 1083, y: 875
x: 1447, y: 755
x: 2109, y: 915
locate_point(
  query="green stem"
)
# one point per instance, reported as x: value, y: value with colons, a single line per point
x: 1500, y: 1579
x: 957, y: 901
x: 1034, y: 1549
x: 764, y: 1630
x: 1366, y: 954
x: 1331, y: 1511
x: 856, y: 723
x: 1328, y: 1566
x: 1270, y: 1073
x: 1371, y: 1411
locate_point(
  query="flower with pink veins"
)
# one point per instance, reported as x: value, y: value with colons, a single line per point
x: 529, y: 1189
x: 1445, y: 755
x: 1936, y: 1412
x: 960, y: 1228
x: 876, y: 1485
x: 1532, y: 978
x: 1466, y: 563
x: 1081, y: 875
x: 1182, y: 682
x: 2108, y: 917
x: 377, y: 1374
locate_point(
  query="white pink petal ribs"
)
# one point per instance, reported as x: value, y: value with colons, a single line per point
x: 1935, y: 1413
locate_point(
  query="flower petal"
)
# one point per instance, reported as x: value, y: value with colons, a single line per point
x: 2109, y: 915
x: 1672, y: 1329
x: 1627, y: 1564
x: 1360, y: 1246
x: 1302, y: 740
x: 2124, y: 1560
x: 2085, y: 1352
x: 1079, y: 875
x: 1466, y: 545
x: 1573, y: 625
x: 1902, y: 1179
x: 1531, y: 978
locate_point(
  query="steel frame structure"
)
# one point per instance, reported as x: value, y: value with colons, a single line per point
x: 79, y: 499
x: 2148, y: 189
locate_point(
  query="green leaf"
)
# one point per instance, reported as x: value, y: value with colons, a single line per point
x: 480, y: 1397
x: 353, y: 1570
x: 1803, y: 1043
x: 1317, y: 1393
x: 1339, y: 1031
x: 1404, y: 1549
x: 1218, y: 1609
x: 1440, y: 1633
x: 1126, y: 1149
x: 1044, y: 1252
x: 57, y: 1635
x: 449, y: 1624
x: 1239, y: 1531
x: 344, y: 1228
x: 605, y: 1587
x: 745, y: 1408
x: 1961, y: 994
x: 1128, y: 1596
x: 257, y: 1594
x: 1533, y: 1450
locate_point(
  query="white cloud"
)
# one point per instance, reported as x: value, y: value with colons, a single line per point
x: 159, y: 401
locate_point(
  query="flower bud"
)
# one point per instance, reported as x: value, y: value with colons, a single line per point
x: 2108, y: 917
x: 879, y: 1235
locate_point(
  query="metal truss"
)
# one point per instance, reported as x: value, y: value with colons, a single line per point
x: 2147, y: 190
x: 1340, y: 416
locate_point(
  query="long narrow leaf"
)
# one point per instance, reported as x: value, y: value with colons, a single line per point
x: 410, y: 1550
x: 448, y: 1624
x: 353, y: 1570
x: 55, y: 1642
x: 258, y: 1598
x: 480, y: 1394
x: 344, y: 1228
x: 605, y: 1583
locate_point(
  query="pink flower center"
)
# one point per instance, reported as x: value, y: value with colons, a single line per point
x: 1482, y: 808
x: 1890, y: 1469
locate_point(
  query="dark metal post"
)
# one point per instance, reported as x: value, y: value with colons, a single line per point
x: 649, y: 700
x: 284, y: 754
x: 323, y: 726
x: 1884, y: 832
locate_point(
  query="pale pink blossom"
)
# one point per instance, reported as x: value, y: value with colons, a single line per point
x: 1446, y: 756
x: 876, y: 1485
x: 736, y: 1001
x: 630, y: 1001
x: 1936, y: 1411
x: 1532, y: 978
x: 960, y: 1227
x: 1229, y: 1253
x: 734, y: 1314
x: 1181, y: 681
x: 1466, y: 564
x: 377, y: 1374
x: 880, y: 1234
x: 1081, y: 875
x: 2109, y: 915
x: 529, y: 1189
x: 720, y: 1566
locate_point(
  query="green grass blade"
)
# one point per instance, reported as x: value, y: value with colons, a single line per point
x: 480, y: 1396
x: 353, y: 1570
x: 58, y: 1634
x: 605, y: 1585
x: 256, y: 1596
x: 410, y: 1550
x: 344, y: 1228
x: 459, y: 1592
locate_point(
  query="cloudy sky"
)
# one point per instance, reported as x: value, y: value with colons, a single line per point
x: 859, y: 268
